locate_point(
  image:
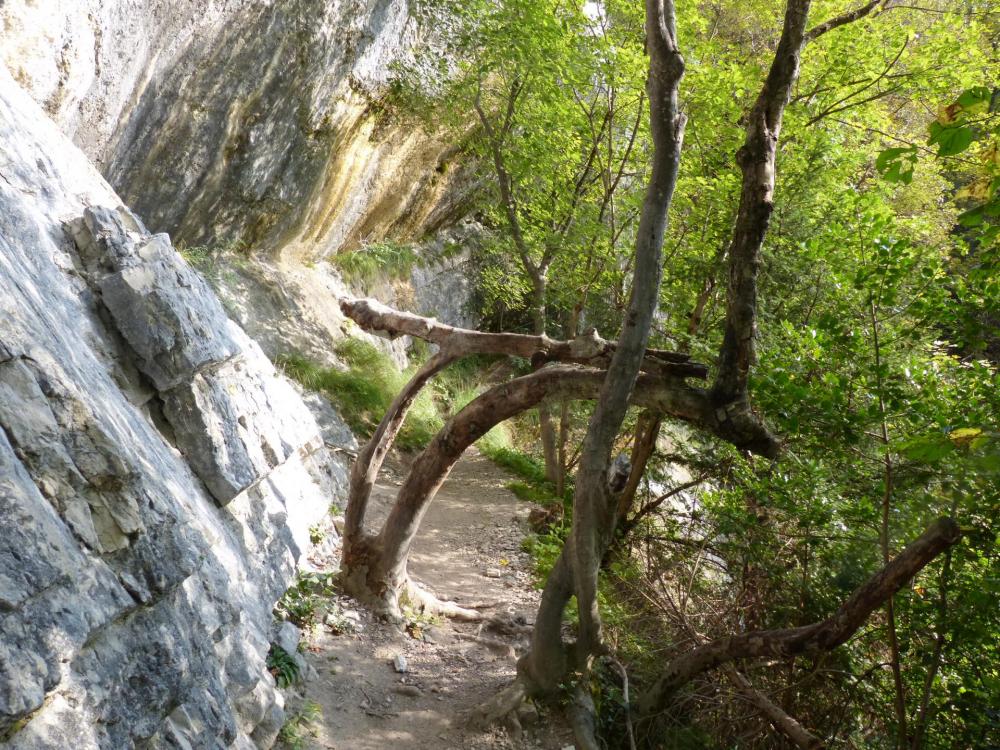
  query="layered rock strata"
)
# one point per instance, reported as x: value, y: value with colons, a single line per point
x: 158, y: 478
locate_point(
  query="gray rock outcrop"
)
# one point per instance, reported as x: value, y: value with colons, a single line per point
x: 239, y: 122
x: 157, y: 477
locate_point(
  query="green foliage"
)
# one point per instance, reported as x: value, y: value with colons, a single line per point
x: 297, y: 728
x: 302, y: 603
x: 531, y: 493
x: 516, y: 462
x: 387, y: 260
x: 282, y: 666
x: 364, y: 391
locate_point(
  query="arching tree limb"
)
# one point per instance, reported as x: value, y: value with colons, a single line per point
x: 376, y: 568
x: 369, y: 460
x: 807, y: 639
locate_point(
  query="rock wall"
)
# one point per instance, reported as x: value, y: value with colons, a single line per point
x: 252, y: 122
x: 157, y: 477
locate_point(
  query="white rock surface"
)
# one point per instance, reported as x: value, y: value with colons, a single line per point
x: 222, y: 121
x: 135, y: 608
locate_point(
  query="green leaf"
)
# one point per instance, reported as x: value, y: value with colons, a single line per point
x: 896, y: 164
x: 928, y: 449
x: 973, y: 217
x: 975, y: 100
x: 950, y: 140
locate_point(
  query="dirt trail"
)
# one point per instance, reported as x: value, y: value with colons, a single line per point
x: 468, y: 550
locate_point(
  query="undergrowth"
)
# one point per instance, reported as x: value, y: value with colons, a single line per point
x: 364, y: 390
x: 299, y: 726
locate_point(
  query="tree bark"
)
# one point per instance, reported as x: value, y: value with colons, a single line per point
x: 369, y: 460
x: 807, y: 639
x: 756, y: 159
x: 587, y: 349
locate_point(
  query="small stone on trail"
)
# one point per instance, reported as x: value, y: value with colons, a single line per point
x: 492, y: 573
x: 409, y: 690
x: 399, y: 663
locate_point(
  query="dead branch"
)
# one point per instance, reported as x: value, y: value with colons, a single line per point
x: 588, y: 349
x: 808, y: 639
x: 786, y: 724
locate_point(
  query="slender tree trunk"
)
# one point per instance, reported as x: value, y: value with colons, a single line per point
x: 646, y: 431
x: 924, y: 713
x: 546, y: 424
x: 369, y: 460
x: 594, y: 511
x: 564, y: 427
x: 899, y: 701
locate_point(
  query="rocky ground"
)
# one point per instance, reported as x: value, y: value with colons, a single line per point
x: 379, y: 687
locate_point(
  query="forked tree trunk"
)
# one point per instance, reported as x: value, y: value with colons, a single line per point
x: 369, y: 461
x: 376, y: 568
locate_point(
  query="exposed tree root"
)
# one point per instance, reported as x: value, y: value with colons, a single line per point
x: 428, y: 603
x: 499, y: 707
x: 583, y: 719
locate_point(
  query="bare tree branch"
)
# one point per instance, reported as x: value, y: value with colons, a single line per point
x: 786, y: 724
x: 589, y: 349
x: 808, y: 639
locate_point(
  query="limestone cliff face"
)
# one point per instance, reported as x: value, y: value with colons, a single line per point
x: 238, y: 121
x: 157, y: 477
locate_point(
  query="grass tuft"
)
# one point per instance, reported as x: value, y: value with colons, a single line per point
x: 377, y: 260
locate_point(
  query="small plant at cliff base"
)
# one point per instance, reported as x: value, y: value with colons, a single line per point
x: 302, y: 603
x: 316, y: 534
x: 205, y: 257
x: 387, y: 261
x: 282, y: 666
x: 298, y: 727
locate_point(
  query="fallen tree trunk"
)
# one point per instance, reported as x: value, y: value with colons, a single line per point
x: 586, y: 349
x: 807, y: 639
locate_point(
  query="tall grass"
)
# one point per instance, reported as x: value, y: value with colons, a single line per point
x: 364, y: 390
x: 377, y: 260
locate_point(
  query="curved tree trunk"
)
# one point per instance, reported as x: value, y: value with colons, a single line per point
x: 377, y: 568
x: 369, y: 461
